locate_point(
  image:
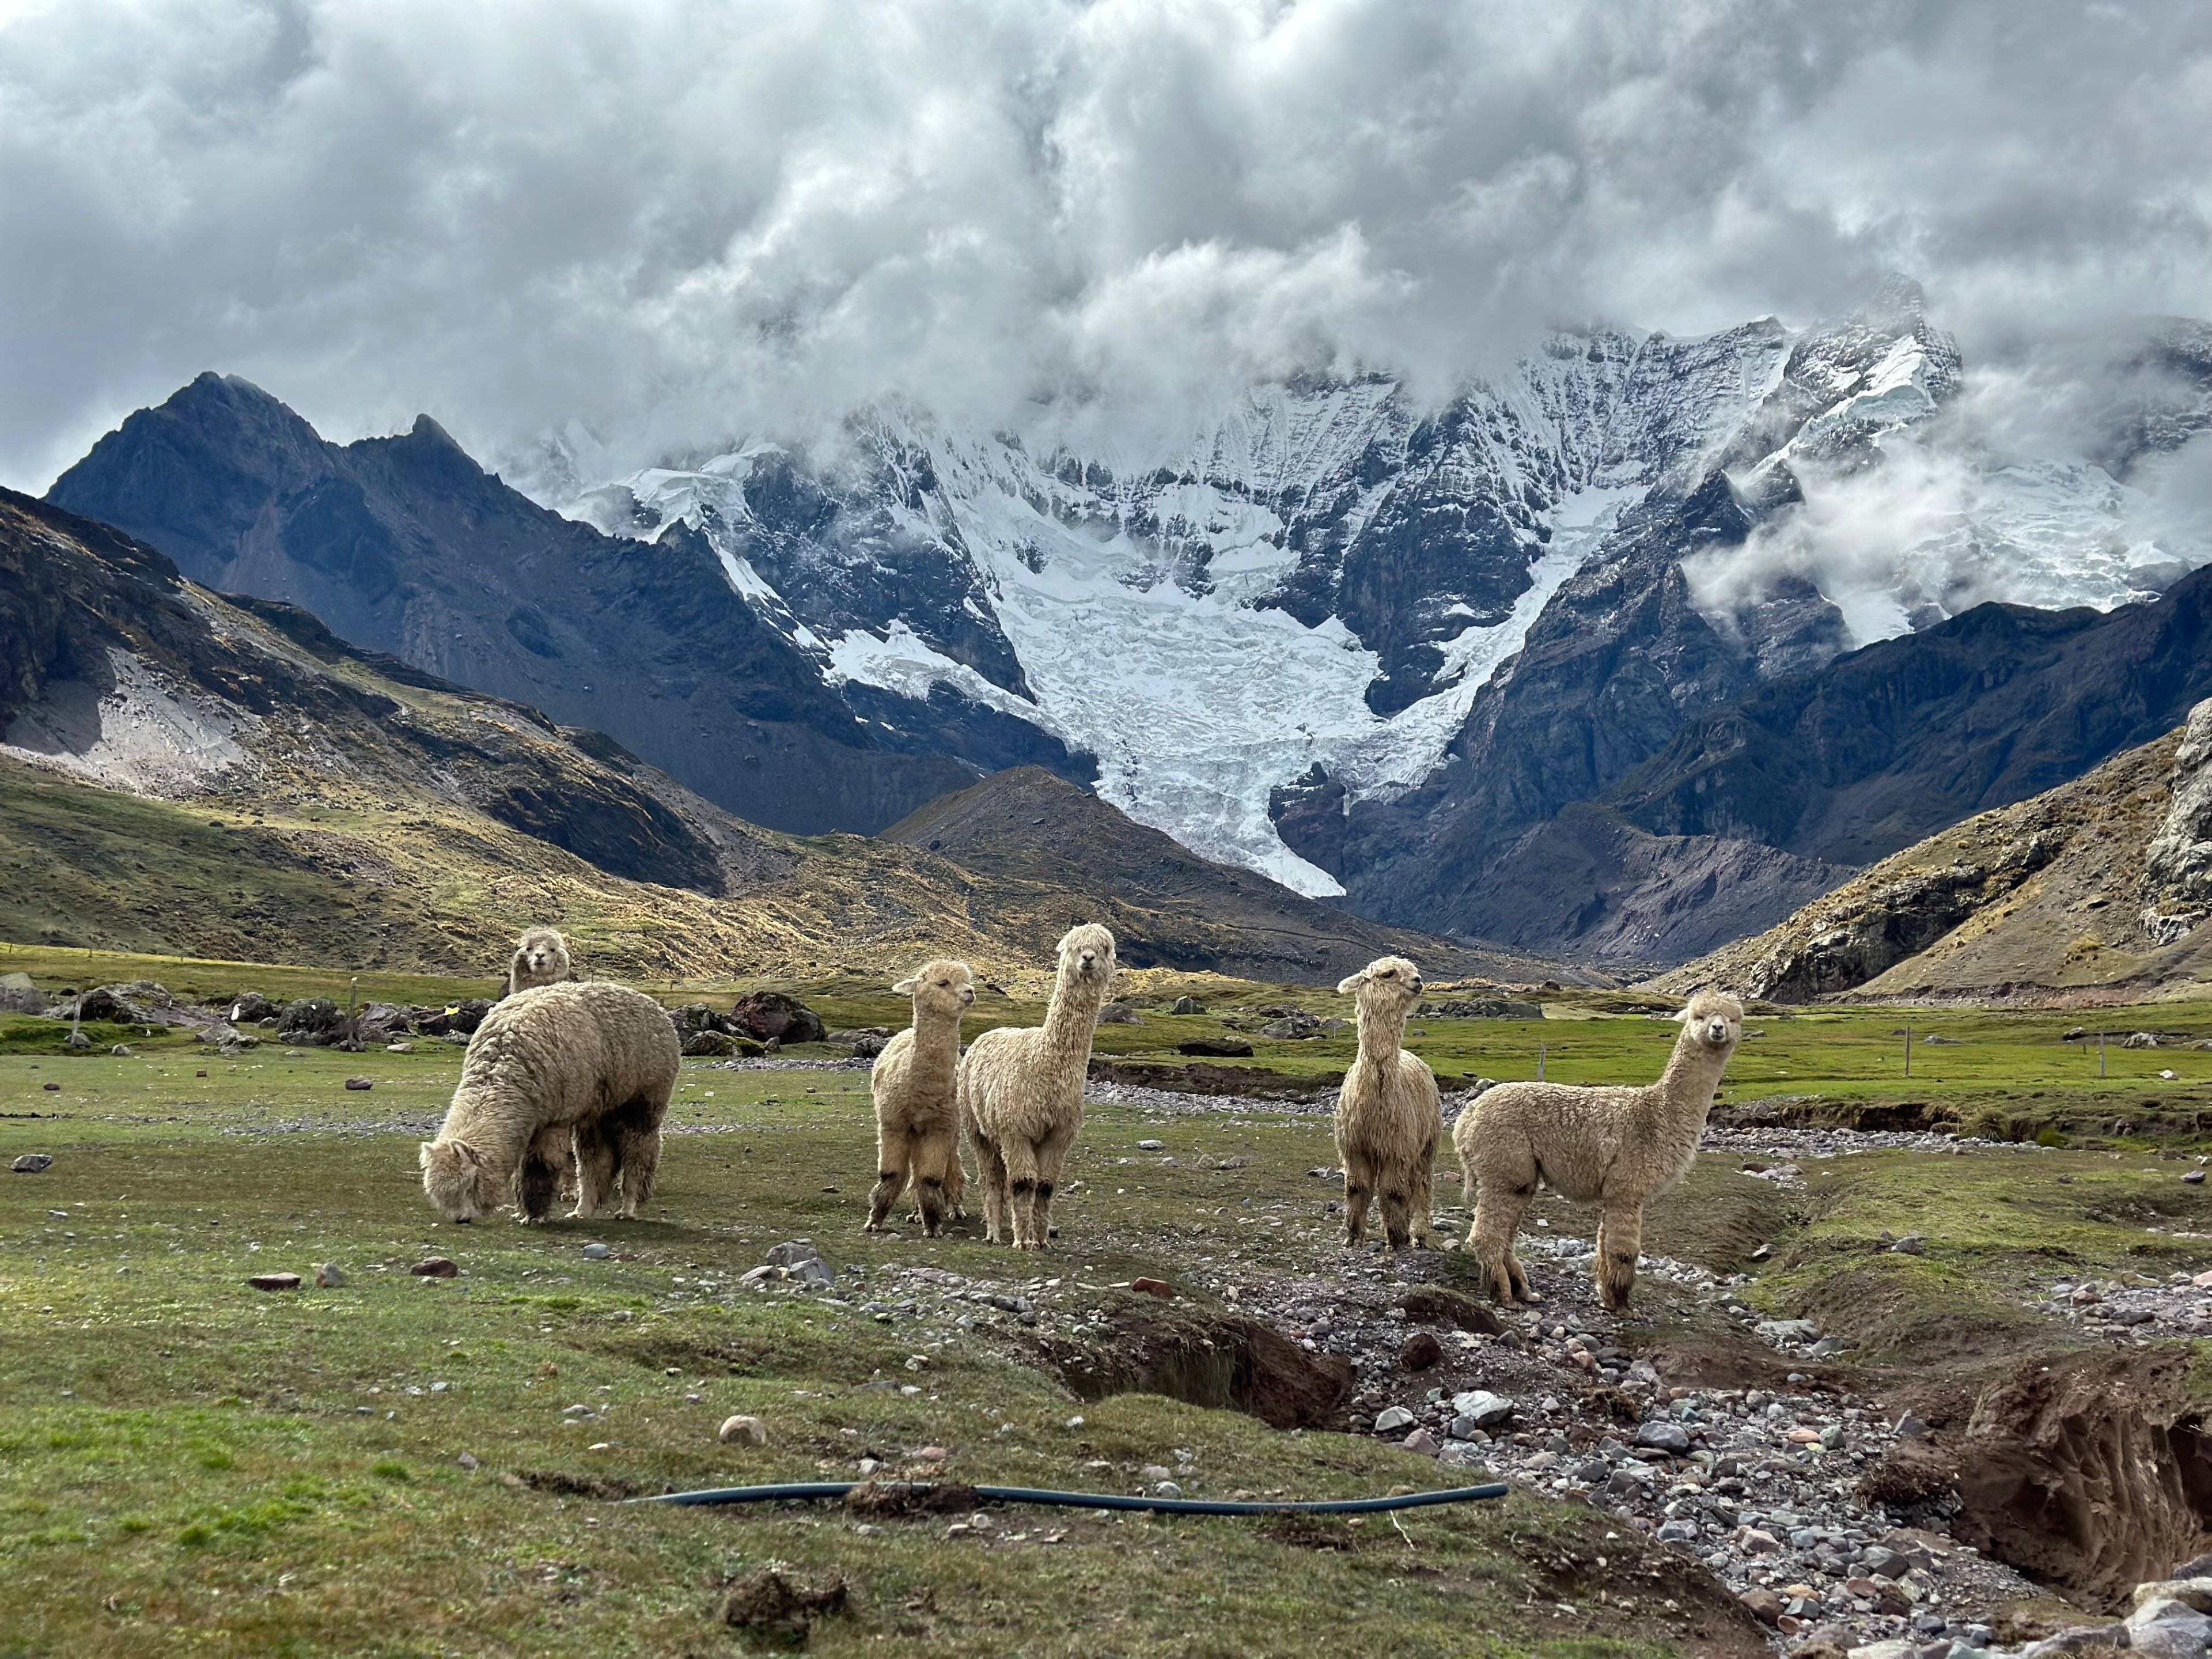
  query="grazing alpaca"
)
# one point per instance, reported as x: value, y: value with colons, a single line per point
x: 592, y: 1061
x: 917, y: 1119
x: 1021, y: 1093
x: 1388, y: 1116
x: 541, y: 957
x: 1616, y: 1147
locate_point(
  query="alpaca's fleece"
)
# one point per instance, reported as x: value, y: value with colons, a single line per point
x: 917, y: 1118
x: 1021, y: 1093
x: 1615, y: 1147
x: 541, y: 957
x: 1388, y: 1116
x: 591, y: 1061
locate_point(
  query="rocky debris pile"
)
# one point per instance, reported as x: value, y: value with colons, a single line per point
x: 1482, y: 1008
x: 1782, y: 1141
x: 794, y: 1263
x: 2137, y: 1308
x: 709, y: 1035
x: 2167, y: 1620
x: 865, y: 1041
x: 772, y: 1017
x: 1119, y: 1013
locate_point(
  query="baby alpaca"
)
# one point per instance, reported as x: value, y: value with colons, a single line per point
x: 592, y: 1061
x: 917, y: 1124
x: 1021, y: 1093
x: 1616, y: 1146
x: 541, y: 957
x: 1388, y: 1116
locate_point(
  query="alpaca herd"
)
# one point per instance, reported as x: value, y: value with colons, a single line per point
x: 568, y: 1081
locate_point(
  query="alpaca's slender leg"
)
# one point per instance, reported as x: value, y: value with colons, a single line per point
x: 1397, y: 1206
x: 1052, y: 1155
x: 1621, y: 1240
x: 596, y: 1166
x: 639, y: 1149
x: 991, y: 1174
x: 1021, y: 1155
x: 1359, y: 1192
x: 894, y: 1160
x: 539, y: 1177
x: 933, y: 1151
x: 1424, y: 1198
x: 955, y: 1179
x: 1497, y: 1215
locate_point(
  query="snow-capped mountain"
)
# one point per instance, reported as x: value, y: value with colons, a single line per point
x: 1318, y: 582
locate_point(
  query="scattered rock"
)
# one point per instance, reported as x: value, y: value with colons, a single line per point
x: 1910, y: 1244
x: 1434, y: 1305
x: 709, y: 1045
x: 51, y: 1088
x: 749, y: 1430
x: 358, y: 1084
x: 772, y: 1017
x: 1149, y: 1145
x: 1664, y: 1437
x: 32, y: 1162
x: 1420, y: 1350
x: 437, y: 1267
x: 1764, y: 1604
x: 330, y: 1275
x: 1118, y: 1013
x: 1188, y: 1006
x: 595, y: 1251
x: 121, y: 1051
x: 1158, y: 1287
x: 2193, y: 1178
x: 1391, y: 1419
x: 275, y: 1281
x: 1484, y: 1409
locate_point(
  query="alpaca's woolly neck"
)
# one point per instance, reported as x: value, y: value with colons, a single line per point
x: 1381, y: 1035
x: 1692, y: 1075
x: 936, y: 1052
x: 1071, y: 1020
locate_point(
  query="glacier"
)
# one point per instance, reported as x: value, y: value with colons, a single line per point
x: 1327, y: 572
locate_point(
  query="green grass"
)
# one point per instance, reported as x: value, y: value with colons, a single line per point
x: 191, y: 1465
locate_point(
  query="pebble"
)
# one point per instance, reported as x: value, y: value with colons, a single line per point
x: 32, y: 1162
x: 747, y: 1431
x: 1158, y: 1287
x: 358, y: 1084
x: 1151, y: 1145
x: 437, y: 1267
x: 330, y: 1275
x: 596, y: 1251
x: 275, y: 1281
x: 1392, y: 1419
x: 1420, y: 1350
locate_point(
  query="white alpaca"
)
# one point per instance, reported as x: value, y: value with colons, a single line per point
x: 1021, y: 1093
x: 917, y: 1117
x: 1387, y: 1115
x: 1616, y: 1146
x: 541, y: 957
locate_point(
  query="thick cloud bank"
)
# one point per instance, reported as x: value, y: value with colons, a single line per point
x: 663, y: 221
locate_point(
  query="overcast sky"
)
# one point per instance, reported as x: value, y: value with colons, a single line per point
x: 674, y: 221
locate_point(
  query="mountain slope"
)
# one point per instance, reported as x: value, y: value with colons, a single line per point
x: 1027, y: 825
x: 184, y: 774
x: 405, y: 546
x: 2096, y: 889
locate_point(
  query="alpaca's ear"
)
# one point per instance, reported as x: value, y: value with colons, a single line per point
x: 905, y: 987
x: 426, y: 1151
x: 1683, y: 1017
x: 467, y: 1154
x: 1345, y: 987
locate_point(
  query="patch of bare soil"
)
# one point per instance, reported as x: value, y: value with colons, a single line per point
x: 769, y: 1607
x: 2090, y: 1473
x: 1213, y: 1359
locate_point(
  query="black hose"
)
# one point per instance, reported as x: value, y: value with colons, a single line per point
x: 1090, y: 1500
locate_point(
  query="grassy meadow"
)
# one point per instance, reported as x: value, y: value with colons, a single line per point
x: 393, y: 1467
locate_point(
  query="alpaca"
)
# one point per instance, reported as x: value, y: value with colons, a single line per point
x: 1388, y: 1115
x: 1020, y: 1093
x: 592, y: 1062
x: 1616, y: 1146
x: 541, y: 957
x: 917, y: 1128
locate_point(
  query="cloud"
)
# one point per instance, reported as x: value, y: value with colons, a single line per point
x: 670, y: 220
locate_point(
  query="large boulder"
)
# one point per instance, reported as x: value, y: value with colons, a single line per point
x: 19, y: 996
x: 2176, y: 882
x: 455, y: 1019
x: 251, y: 1008
x: 772, y: 1017
x: 311, y: 1019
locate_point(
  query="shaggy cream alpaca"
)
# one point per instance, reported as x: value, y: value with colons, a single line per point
x: 917, y: 1117
x: 541, y: 957
x: 592, y: 1061
x: 1021, y: 1093
x: 1615, y: 1147
x: 1388, y: 1116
